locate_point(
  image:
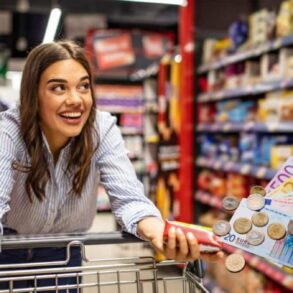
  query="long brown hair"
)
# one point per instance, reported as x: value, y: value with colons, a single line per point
x: 82, y: 147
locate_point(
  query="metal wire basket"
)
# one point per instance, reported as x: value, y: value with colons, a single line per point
x: 132, y: 274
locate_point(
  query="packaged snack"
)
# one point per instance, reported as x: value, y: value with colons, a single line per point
x: 208, y: 241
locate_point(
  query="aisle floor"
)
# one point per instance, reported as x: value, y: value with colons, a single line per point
x: 104, y: 222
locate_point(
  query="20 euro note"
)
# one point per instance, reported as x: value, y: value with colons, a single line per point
x: 277, y: 251
x: 284, y: 205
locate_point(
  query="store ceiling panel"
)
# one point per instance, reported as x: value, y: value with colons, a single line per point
x: 115, y: 10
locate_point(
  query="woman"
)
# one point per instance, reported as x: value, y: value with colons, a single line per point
x: 54, y: 148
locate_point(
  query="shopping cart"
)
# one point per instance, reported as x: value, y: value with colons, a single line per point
x: 132, y: 274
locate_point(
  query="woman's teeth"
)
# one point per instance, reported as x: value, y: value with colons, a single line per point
x: 71, y: 115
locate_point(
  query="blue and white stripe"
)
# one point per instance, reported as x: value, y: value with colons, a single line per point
x: 60, y: 212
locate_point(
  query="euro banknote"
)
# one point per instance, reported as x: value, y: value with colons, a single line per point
x: 284, y: 205
x: 276, y: 251
x: 281, y: 176
x: 284, y: 190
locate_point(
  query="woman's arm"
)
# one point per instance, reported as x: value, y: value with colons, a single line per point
x: 132, y: 209
x: 7, y: 157
x: 128, y: 202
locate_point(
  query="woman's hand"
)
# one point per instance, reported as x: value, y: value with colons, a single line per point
x: 178, y: 246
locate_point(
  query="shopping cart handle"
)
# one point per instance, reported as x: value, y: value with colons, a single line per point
x: 62, y: 240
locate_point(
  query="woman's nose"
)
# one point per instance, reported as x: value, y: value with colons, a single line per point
x: 73, y: 98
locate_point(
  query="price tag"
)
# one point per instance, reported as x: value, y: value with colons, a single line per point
x: 249, y: 89
x: 200, y: 161
x: 261, y: 172
x: 227, y: 127
x: 272, y: 127
x: 288, y: 282
x: 229, y: 166
x: 213, y: 201
x: 284, y: 83
x: 214, y: 127
x: 245, y: 169
x: 220, y: 95
x: 217, y: 165
x: 278, y: 43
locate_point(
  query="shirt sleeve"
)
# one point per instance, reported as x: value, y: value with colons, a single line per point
x: 128, y: 202
x: 7, y: 156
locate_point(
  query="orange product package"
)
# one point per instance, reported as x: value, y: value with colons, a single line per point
x: 208, y: 241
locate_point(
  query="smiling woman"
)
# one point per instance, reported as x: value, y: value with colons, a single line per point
x: 52, y: 149
x: 64, y: 104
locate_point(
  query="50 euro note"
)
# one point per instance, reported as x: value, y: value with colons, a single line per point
x: 276, y: 251
x: 285, y: 173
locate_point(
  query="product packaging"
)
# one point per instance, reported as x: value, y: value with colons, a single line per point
x: 208, y: 241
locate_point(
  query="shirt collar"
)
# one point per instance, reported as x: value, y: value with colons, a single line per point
x: 64, y: 150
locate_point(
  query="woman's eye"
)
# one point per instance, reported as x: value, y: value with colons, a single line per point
x: 58, y: 88
x: 85, y: 86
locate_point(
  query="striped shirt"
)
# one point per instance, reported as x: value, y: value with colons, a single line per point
x: 60, y: 212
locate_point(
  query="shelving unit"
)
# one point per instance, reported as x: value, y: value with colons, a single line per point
x: 221, y: 133
x: 260, y: 172
x: 248, y: 126
x: 254, y: 90
x: 248, y: 54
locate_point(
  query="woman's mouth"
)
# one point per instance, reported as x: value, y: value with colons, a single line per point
x: 71, y: 117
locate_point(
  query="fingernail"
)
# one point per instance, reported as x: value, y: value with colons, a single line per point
x: 179, y: 231
x: 190, y: 236
x: 172, y: 230
x: 220, y: 254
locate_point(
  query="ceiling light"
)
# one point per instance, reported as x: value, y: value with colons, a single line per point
x: 52, y: 25
x: 167, y: 2
x: 22, y: 6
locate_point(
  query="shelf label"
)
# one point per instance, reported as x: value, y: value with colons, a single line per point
x: 245, y: 169
x: 228, y: 166
x: 288, y: 282
x: 272, y: 126
x: 227, y: 127
x: 214, y: 127
x: 277, y: 43
x: 217, y: 165
x: 261, y: 172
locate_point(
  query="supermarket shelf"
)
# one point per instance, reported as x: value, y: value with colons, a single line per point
x: 117, y: 110
x: 267, y: 268
x: 152, y: 139
x: 130, y: 131
x: 249, y: 126
x: 241, y: 168
x: 116, y: 78
x: 208, y: 199
x: 241, y: 56
x: 245, y: 91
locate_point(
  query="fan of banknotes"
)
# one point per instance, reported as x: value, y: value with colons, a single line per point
x: 262, y: 223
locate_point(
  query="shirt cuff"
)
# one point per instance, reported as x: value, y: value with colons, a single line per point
x: 130, y: 220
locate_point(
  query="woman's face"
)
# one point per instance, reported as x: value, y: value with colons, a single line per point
x: 65, y: 101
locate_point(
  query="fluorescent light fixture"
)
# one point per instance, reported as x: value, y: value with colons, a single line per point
x: 167, y: 2
x: 52, y: 25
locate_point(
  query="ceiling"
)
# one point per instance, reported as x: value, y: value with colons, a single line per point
x: 115, y: 10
